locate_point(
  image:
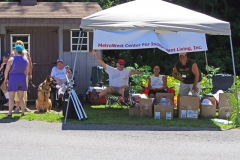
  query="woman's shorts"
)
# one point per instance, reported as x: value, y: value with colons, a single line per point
x: 17, y: 82
x: 24, y: 94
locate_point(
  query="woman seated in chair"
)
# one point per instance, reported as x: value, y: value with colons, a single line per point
x: 157, y: 83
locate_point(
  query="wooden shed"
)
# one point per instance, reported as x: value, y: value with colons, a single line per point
x: 49, y: 31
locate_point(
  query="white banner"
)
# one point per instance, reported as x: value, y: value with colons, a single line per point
x: 170, y: 42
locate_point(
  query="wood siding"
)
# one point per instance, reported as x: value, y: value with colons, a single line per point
x: 85, y: 60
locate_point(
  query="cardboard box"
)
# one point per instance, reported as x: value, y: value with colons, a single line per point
x: 134, y: 111
x: 224, y: 107
x: 163, y: 111
x: 169, y: 96
x: 146, y: 108
x: 136, y: 97
x: 223, y: 100
x: 208, y: 111
x: 188, y: 107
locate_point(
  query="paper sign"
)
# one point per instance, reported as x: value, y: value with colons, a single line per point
x: 168, y: 115
x: 157, y: 115
x: 183, y: 113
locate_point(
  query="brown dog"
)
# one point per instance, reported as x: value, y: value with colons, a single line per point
x: 43, y: 103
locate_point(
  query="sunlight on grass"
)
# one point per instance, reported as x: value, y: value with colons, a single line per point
x: 97, y: 114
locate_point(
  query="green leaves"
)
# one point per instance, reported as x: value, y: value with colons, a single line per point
x: 235, y: 108
x: 211, y: 70
x: 140, y: 79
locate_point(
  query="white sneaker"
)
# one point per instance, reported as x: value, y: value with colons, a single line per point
x: 16, y: 110
x: 27, y: 110
x: 6, y: 104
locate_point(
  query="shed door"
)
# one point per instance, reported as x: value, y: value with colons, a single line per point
x: 45, y: 54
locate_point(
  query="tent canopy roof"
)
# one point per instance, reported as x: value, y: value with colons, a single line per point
x: 155, y: 15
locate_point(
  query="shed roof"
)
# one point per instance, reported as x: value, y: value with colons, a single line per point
x: 48, y: 10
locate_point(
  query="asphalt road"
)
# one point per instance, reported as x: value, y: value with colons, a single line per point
x: 41, y: 140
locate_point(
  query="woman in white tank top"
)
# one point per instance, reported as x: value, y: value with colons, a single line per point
x: 156, y: 83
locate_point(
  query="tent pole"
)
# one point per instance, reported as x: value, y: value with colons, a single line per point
x: 206, y: 58
x: 206, y: 62
x: 233, y: 62
x: 79, y: 37
x: 76, y: 104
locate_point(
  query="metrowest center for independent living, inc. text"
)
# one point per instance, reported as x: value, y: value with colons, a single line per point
x: 148, y: 45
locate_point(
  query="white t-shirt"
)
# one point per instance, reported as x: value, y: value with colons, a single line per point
x: 59, y: 74
x: 156, y: 82
x: 117, y: 78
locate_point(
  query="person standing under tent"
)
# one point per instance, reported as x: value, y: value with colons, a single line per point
x: 190, y: 76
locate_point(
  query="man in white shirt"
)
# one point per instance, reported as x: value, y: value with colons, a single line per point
x: 118, y: 79
x: 59, y: 73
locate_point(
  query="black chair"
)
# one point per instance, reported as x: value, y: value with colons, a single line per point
x: 222, y: 82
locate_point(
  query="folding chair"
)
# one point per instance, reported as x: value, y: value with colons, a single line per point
x: 113, y: 99
x: 221, y: 82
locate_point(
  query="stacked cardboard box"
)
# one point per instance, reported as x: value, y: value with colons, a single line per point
x: 146, y: 107
x: 164, y: 111
x: 188, y: 107
x: 224, y: 107
x: 208, y: 111
x: 134, y: 111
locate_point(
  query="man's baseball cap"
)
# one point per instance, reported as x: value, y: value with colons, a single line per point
x: 18, y: 47
x: 59, y: 60
x: 6, y: 54
x: 121, y: 61
x: 182, y: 54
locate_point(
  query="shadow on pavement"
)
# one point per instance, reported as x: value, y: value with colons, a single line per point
x: 9, y: 119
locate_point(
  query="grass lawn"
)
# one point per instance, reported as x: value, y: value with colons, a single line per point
x: 117, y: 115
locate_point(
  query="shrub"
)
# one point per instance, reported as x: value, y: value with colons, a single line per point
x: 235, y: 110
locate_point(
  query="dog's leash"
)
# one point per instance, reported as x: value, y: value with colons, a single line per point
x: 31, y: 83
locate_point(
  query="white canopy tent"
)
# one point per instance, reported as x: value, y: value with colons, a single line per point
x: 158, y: 16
